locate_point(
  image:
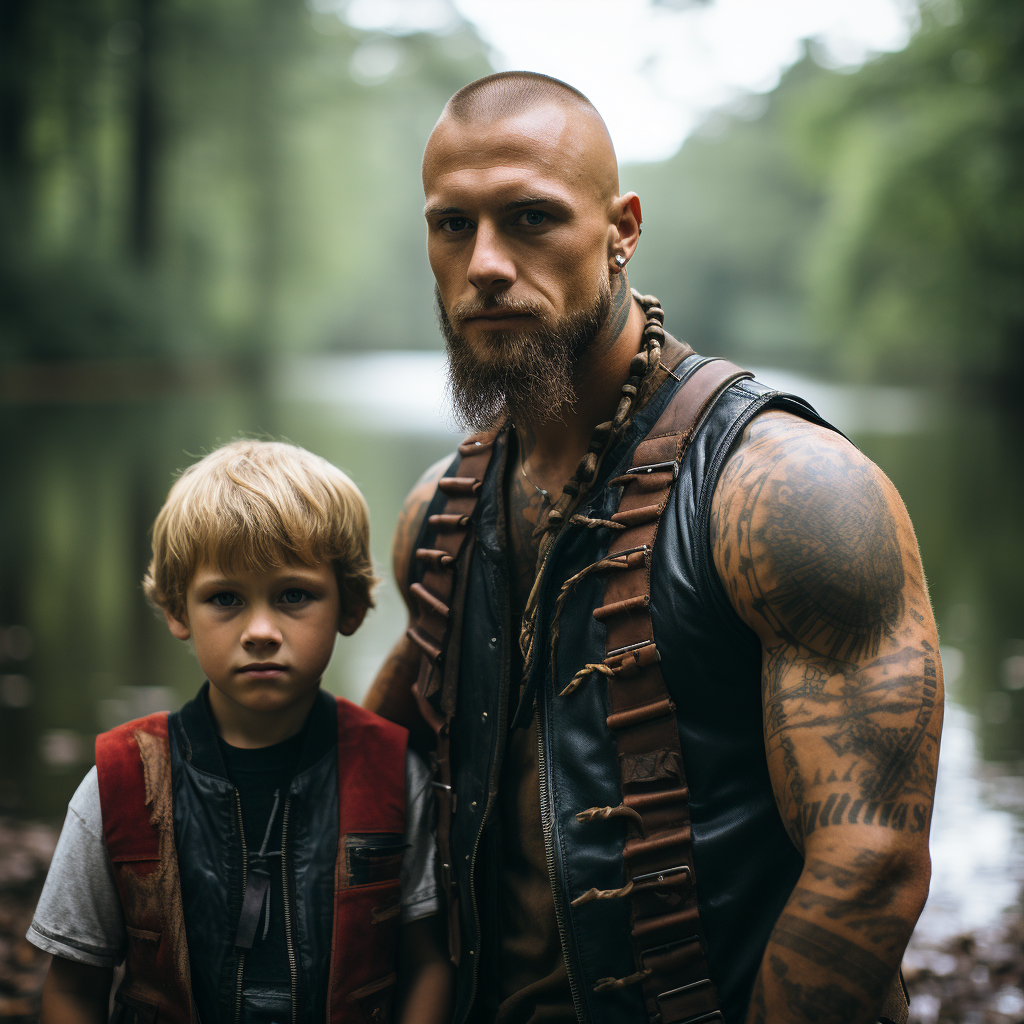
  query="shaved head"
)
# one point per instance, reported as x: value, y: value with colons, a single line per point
x: 509, y: 96
x: 512, y: 92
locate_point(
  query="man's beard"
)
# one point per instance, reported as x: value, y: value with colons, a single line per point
x: 526, y: 375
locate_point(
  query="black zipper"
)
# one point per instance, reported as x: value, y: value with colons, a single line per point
x: 549, y: 851
x: 245, y: 875
x: 293, y: 968
x: 546, y: 799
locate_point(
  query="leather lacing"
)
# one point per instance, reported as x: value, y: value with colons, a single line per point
x: 614, y: 984
x: 619, y: 811
x: 619, y: 560
x: 593, y: 524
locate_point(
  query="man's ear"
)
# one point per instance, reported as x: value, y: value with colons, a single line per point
x: 349, y: 621
x: 179, y: 628
x: 625, y: 227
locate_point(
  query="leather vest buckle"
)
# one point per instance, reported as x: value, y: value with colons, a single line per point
x: 661, y: 876
x: 655, y: 467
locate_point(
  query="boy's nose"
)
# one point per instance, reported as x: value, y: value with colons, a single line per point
x: 261, y: 631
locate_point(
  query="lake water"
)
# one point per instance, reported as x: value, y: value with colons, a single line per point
x: 84, y: 476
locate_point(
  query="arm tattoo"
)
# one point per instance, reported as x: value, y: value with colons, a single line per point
x: 809, y: 549
x: 821, y: 556
x: 829, y: 1002
x: 816, y: 554
x: 827, y: 949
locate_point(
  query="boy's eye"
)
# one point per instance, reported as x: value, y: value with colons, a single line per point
x: 224, y: 600
x: 294, y: 595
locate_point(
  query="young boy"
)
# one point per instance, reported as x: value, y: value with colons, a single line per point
x: 263, y: 855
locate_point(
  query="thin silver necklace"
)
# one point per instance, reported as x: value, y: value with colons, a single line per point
x: 545, y: 495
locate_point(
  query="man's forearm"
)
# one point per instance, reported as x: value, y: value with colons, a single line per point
x: 837, y: 946
x: 75, y: 993
x: 425, y: 973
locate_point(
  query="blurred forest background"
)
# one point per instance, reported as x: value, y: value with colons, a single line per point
x: 210, y: 223
x: 205, y: 204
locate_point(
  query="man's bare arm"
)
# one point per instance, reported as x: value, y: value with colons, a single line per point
x: 391, y: 695
x: 425, y: 973
x: 75, y: 993
x: 818, y: 556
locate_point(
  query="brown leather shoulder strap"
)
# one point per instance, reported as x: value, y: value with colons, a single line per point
x: 440, y: 597
x: 668, y: 941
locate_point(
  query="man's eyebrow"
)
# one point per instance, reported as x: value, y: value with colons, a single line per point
x: 518, y: 204
x: 437, y: 211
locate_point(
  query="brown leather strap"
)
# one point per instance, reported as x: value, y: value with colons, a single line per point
x: 440, y: 597
x: 668, y: 941
x: 896, y: 1008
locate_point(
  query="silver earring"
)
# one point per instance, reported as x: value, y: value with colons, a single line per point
x: 620, y: 260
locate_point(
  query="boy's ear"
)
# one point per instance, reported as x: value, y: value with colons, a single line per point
x: 349, y: 621
x: 179, y: 627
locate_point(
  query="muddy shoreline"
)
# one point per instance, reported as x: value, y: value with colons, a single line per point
x: 975, y: 978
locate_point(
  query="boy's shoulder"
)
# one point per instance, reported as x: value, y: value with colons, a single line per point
x: 352, y: 716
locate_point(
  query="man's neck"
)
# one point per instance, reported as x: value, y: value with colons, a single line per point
x: 551, y: 450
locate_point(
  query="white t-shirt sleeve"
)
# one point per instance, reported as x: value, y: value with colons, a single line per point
x: 79, y: 915
x: 417, y: 881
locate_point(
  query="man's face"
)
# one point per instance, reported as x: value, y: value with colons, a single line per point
x: 517, y: 237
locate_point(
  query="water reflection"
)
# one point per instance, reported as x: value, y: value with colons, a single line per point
x: 79, y: 651
x: 976, y: 840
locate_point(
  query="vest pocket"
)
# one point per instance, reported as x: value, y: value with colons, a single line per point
x: 373, y: 857
x: 130, y: 1010
x: 375, y: 1000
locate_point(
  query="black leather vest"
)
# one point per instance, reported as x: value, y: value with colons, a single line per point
x: 746, y: 865
x: 206, y: 826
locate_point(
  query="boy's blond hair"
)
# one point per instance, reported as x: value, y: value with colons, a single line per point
x: 254, y: 505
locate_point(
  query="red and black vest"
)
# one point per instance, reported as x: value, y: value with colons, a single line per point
x: 167, y: 814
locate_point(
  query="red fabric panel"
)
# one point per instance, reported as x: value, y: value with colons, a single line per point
x: 126, y: 828
x: 371, y: 771
x: 156, y: 981
x: 371, y: 798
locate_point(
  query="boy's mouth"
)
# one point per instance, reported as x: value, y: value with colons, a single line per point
x: 261, y: 668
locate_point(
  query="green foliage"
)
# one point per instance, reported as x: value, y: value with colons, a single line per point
x: 917, y: 267
x: 726, y: 221
x: 866, y: 225
x: 185, y: 177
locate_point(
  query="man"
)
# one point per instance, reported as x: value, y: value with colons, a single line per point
x: 779, y: 572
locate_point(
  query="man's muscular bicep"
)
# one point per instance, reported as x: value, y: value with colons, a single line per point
x: 817, y: 555
x: 410, y: 522
x: 390, y: 694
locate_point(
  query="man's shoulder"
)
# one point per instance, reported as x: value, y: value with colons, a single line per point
x: 778, y: 444
x: 410, y: 519
x: 801, y: 518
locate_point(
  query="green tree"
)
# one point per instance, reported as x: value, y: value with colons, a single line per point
x: 916, y: 269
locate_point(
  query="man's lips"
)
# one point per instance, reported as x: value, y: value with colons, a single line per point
x: 497, y: 316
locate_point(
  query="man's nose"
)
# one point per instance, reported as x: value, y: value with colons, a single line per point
x: 261, y: 630
x: 491, y: 268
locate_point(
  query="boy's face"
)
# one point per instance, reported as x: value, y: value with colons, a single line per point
x: 263, y: 638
